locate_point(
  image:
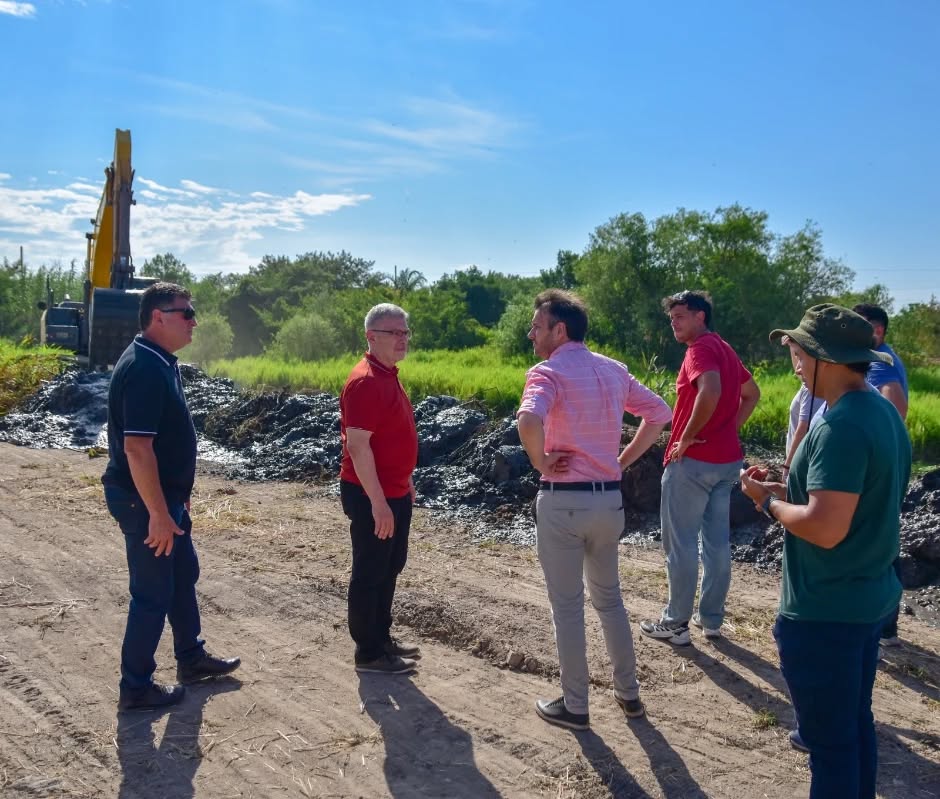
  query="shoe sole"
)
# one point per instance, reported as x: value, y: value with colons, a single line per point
x: 631, y: 714
x: 796, y: 748
x: 367, y: 670
x: 130, y: 708
x: 193, y: 680
x: 711, y: 633
x: 568, y: 725
x: 157, y: 706
x: 687, y: 641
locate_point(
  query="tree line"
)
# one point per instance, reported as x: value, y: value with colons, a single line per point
x: 311, y: 306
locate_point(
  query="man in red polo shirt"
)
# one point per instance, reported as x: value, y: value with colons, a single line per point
x: 380, y: 451
x: 715, y: 395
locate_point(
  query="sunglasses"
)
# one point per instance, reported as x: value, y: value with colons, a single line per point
x: 188, y: 313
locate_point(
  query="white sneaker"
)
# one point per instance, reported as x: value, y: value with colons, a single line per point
x: 892, y: 641
x: 710, y: 632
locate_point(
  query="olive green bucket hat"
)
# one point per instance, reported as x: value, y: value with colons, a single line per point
x: 832, y: 333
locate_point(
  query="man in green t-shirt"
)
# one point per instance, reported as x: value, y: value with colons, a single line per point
x: 840, y: 507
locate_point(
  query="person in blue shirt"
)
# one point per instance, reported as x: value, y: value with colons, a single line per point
x: 147, y: 486
x: 890, y: 380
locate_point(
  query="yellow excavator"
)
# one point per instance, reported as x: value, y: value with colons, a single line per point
x: 100, y: 326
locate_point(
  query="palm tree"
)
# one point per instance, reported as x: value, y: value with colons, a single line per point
x: 408, y: 280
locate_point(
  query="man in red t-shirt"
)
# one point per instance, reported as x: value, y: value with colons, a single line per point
x: 380, y: 451
x: 715, y: 395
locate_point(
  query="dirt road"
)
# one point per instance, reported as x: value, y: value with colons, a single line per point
x: 298, y: 721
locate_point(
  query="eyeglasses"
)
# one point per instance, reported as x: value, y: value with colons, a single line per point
x: 397, y: 333
x: 188, y: 313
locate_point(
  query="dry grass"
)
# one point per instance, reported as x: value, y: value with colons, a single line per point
x: 216, y: 514
x: 751, y: 624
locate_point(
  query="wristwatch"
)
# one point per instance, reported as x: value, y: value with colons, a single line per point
x: 765, y: 506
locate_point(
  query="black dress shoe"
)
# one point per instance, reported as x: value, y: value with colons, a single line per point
x: 154, y: 695
x: 402, y: 649
x: 207, y: 666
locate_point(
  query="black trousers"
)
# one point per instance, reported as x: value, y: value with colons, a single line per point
x: 376, y: 565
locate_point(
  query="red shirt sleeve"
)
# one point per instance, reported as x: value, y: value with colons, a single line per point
x: 701, y: 358
x: 360, y: 409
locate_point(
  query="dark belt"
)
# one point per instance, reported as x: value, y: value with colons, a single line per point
x: 610, y: 485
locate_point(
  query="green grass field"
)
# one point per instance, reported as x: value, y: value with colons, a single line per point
x: 480, y: 374
x: 22, y: 369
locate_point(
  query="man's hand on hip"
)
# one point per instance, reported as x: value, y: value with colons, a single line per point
x: 555, y: 463
x: 161, y: 532
x: 679, y: 447
x: 384, y: 519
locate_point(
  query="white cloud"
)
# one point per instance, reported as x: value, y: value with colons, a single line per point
x: 447, y: 127
x: 17, y: 9
x: 412, y: 136
x: 197, y: 187
x: 5, y: 176
x: 210, y: 229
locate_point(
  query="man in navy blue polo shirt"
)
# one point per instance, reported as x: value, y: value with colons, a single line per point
x: 147, y: 486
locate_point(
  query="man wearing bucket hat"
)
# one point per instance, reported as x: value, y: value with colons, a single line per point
x: 840, y: 508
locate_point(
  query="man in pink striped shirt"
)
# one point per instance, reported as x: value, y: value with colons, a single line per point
x: 570, y: 422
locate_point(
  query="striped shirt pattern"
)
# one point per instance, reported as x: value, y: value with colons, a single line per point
x: 580, y: 397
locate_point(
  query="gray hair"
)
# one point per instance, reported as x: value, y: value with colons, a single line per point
x: 384, y: 310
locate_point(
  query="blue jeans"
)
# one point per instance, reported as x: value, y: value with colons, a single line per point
x: 161, y: 587
x: 830, y: 671
x: 696, y: 500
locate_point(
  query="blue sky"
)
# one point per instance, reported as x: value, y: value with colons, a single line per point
x: 435, y: 135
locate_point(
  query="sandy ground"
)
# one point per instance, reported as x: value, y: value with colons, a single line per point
x: 300, y: 722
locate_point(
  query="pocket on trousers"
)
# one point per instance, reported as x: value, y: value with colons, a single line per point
x: 127, y: 508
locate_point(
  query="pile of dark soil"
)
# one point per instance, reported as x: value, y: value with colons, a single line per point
x: 470, y: 465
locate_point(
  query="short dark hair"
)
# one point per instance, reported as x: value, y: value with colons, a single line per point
x: 873, y: 313
x: 565, y: 306
x: 157, y: 296
x: 860, y: 368
x: 694, y: 301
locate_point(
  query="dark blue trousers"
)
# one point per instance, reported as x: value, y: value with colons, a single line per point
x: 161, y: 588
x: 830, y: 672
x: 891, y: 626
x: 376, y: 564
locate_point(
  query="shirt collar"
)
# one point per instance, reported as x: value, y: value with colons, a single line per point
x: 381, y: 366
x: 568, y: 346
x: 152, y: 347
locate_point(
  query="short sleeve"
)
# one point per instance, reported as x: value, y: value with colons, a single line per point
x: 808, y: 404
x: 838, y: 459
x: 361, y: 405
x: 881, y: 374
x: 145, y: 395
x: 700, y: 359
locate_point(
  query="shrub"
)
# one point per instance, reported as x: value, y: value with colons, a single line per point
x: 510, y: 336
x: 306, y: 337
x: 212, y: 340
